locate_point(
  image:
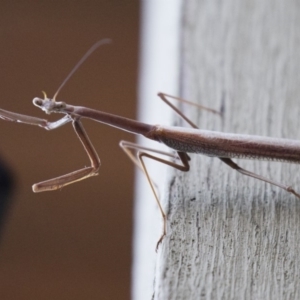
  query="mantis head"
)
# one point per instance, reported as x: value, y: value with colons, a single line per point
x: 49, y: 105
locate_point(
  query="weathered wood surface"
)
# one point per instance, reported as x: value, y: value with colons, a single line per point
x: 230, y: 236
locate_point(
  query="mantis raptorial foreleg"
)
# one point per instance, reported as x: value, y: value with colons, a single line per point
x: 61, y: 181
x: 225, y: 146
x: 19, y: 118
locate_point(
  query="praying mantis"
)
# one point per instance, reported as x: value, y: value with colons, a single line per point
x: 224, y: 146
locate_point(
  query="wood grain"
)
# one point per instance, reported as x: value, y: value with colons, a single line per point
x: 229, y: 236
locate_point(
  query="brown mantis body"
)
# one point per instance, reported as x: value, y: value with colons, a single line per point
x: 225, y: 146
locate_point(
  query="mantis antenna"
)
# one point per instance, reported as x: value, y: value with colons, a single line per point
x: 86, y: 55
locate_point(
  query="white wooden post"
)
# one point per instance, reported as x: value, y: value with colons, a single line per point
x: 230, y: 236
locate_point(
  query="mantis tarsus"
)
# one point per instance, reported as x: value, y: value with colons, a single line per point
x: 225, y: 146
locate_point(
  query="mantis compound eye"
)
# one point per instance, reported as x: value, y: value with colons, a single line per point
x: 46, y: 105
x: 37, y: 102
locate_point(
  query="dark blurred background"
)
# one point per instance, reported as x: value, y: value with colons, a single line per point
x: 74, y: 243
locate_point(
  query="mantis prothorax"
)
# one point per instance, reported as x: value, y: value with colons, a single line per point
x: 183, y: 140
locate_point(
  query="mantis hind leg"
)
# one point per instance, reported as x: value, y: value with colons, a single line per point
x: 236, y: 167
x: 227, y: 161
x: 137, y: 154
